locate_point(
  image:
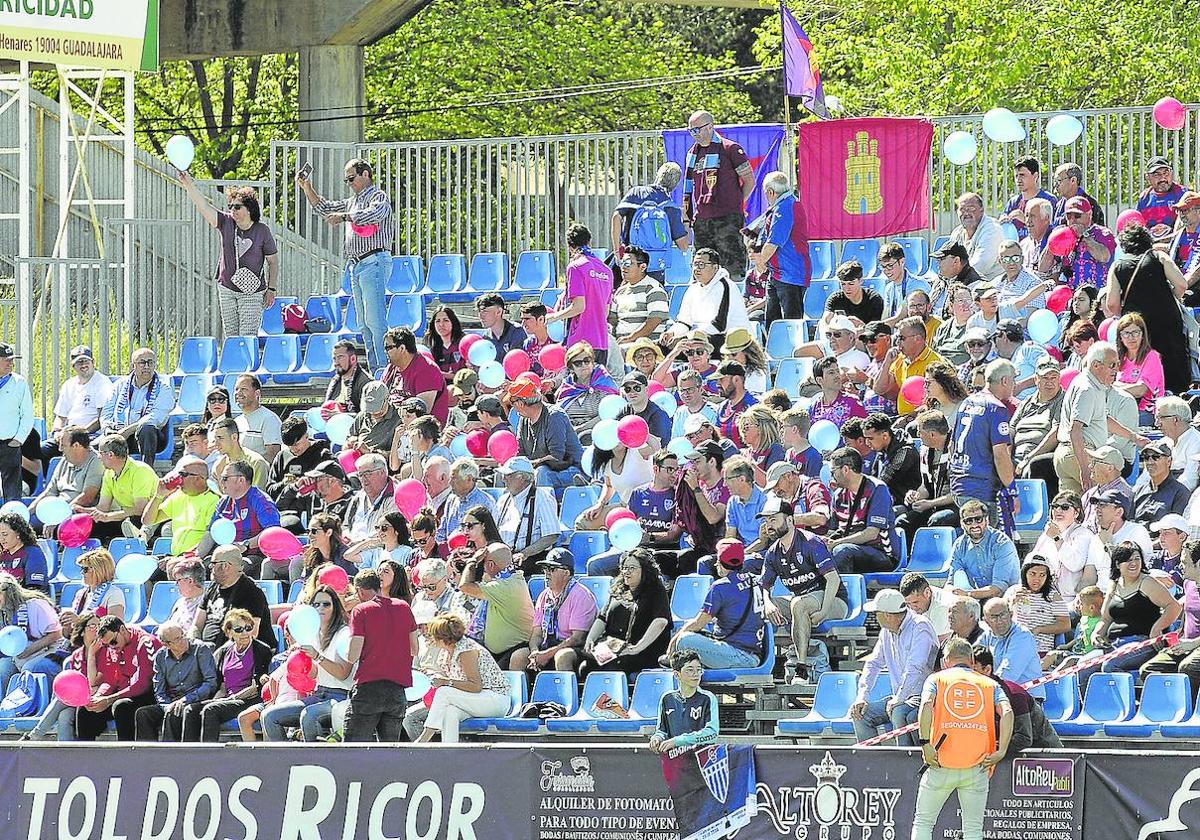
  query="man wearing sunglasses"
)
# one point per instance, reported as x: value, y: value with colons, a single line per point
x: 131, y: 652
x: 189, y: 507
x: 1021, y: 291
x: 140, y: 406
x: 640, y: 304
x: 1157, y: 492
x: 370, y: 230
x: 231, y: 589
x: 983, y: 561
x: 718, y: 181
x: 635, y: 389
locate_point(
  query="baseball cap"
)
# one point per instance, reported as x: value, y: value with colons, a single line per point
x: 842, y: 323
x: 464, y: 382
x: 1187, y: 201
x: 728, y: 368
x: 374, y: 397
x: 521, y: 389
x: 329, y: 468
x: 984, y: 290
x: 952, y: 249
x: 636, y: 377
x: 738, y: 339
x: 414, y: 405
x: 976, y: 334
x: 731, y: 553
x: 1108, y: 455
x: 1162, y: 446
x: 886, y: 600
x: 777, y: 471
x: 876, y: 328
x: 558, y: 558
x: 7, y: 351
x: 1010, y: 329
x: 1174, y: 521
x: 491, y: 404
x: 519, y: 464
x: 774, y: 504
x: 292, y: 430
x: 1078, y: 204
x: 81, y: 351
x: 1111, y: 497
x: 695, y: 422
x: 1047, y: 362
x: 1157, y: 162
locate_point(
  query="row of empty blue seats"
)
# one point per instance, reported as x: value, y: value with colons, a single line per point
x: 448, y: 277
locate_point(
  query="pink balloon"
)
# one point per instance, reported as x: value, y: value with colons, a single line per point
x: 75, y: 531
x: 502, y: 445
x: 1128, y: 216
x: 1062, y: 241
x: 279, y: 543
x: 299, y: 662
x: 632, y: 431
x: 364, y: 230
x: 1067, y: 376
x: 913, y: 390
x: 1059, y: 299
x: 655, y: 387
x: 410, y: 497
x: 553, y: 357
x: 616, y: 515
x: 328, y: 409
x: 347, y: 458
x: 303, y: 683
x: 477, y: 442
x: 530, y: 376
x: 456, y: 540
x: 516, y: 362
x: 71, y: 687
x: 335, y: 577
x: 464, y: 345
x: 1106, y: 328
x: 1055, y: 352
x: 1170, y: 113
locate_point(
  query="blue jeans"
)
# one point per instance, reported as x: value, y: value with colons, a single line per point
x: 784, y: 300
x: 313, y: 715
x: 717, y: 654
x: 40, y: 665
x: 547, y: 477
x: 605, y: 564
x: 877, y: 715
x: 860, y: 559
x: 368, y: 284
x: 59, y: 717
x: 1131, y: 661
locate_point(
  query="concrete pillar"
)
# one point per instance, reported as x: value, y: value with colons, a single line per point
x: 331, y: 85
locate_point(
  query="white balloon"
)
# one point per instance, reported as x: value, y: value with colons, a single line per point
x: 1063, y: 130
x: 959, y: 148
x: 180, y: 152
x: 1002, y: 125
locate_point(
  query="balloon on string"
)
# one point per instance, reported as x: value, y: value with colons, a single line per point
x: 304, y: 623
x: 279, y: 543
x: 959, y: 148
x: 410, y: 497
x: 616, y: 515
x: 420, y: 685
x: 491, y: 374
x: 1067, y: 376
x: 626, y: 534
x: 824, y: 436
x: 1106, y: 328
x: 1127, y: 216
x: 480, y: 352
x: 456, y: 540
x: 913, y: 390
x: 314, y: 419
x: 1062, y: 241
x: 181, y: 151
x: 666, y: 401
x: 458, y: 446
x: 1058, y: 300
x: 337, y: 428
x: 53, y: 510
x: 477, y: 442
x: 655, y: 387
x: 16, y: 507
x: 334, y: 577
x: 75, y: 531
x: 611, y: 407
x: 223, y: 531
x: 605, y: 435
x: 516, y: 362
x: 1009, y: 230
x: 632, y: 431
x: 468, y: 341
x: 1002, y: 125
x: 72, y: 689
x: 502, y: 445
x: 553, y: 358
x: 1170, y: 113
x: 135, y: 568
x: 557, y: 330
x: 682, y: 448
x: 1043, y: 326
x: 1063, y: 129
x: 12, y: 641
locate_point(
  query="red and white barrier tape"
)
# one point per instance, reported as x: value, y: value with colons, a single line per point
x: 1170, y: 638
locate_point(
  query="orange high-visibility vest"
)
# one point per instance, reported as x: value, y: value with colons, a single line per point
x: 964, y: 718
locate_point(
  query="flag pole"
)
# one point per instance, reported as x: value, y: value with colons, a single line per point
x: 788, y: 128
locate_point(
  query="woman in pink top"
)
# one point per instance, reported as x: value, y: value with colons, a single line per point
x: 832, y: 404
x: 589, y: 290
x: 1141, y: 369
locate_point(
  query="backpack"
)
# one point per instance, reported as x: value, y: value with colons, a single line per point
x: 22, y: 699
x: 650, y: 230
x: 294, y: 318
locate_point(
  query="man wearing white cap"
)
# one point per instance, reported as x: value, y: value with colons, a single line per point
x: 16, y: 421
x: 80, y: 400
x: 1176, y: 559
x: 1174, y: 417
x: 526, y: 515
x: 906, y: 650
x: 840, y: 341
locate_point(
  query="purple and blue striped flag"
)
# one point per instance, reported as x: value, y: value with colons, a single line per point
x: 801, y: 77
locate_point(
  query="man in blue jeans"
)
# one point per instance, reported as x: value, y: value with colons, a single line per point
x: 734, y: 605
x: 370, y: 230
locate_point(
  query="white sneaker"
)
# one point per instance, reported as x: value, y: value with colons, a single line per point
x: 799, y: 679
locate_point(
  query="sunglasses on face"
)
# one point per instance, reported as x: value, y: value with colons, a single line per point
x: 236, y: 206
x: 316, y: 530
x: 218, y: 398
x: 695, y: 131
x: 1011, y: 259
x: 977, y: 344
x: 696, y: 352
x: 631, y: 389
x: 628, y: 570
x: 427, y: 587
x: 1062, y: 506
x: 1153, y: 456
x: 350, y: 178
x: 241, y: 628
x: 320, y: 605
x: 581, y: 363
x: 971, y: 520
x: 468, y: 523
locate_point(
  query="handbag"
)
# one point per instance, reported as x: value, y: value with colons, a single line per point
x: 243, y: 279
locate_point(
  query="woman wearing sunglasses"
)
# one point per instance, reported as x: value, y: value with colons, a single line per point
x: 325, y: 545
x: 393, y: 536
x: 248, y: 251
x: 587, y: 383
x: 242, y: 662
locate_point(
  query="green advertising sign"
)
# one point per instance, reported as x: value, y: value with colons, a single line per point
x: 109, y: 34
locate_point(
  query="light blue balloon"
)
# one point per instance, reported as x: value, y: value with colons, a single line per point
x: 557, y: 330
x: 482, y: 351
x: 824, y: 436
x: 681, y: 448
x: 666, y: 401
x: 338, y: 427
x: 135, y: 569
x: 19, y: 508
x: 585, y: 460
x: 612, y: 406
x: 223, y: 531
x: 959, y: 148
x: 491, y: 374
x: 304, y: 623
x: 1063, y: 130
x: 458, y: 447
x: 1002, y: 125
x: 604, y: 435
x: 1043, y: 326
x: 826, y: 474
x: 180, y: 152
x: 12, y: 641
x: 53, y: 510
x: 316, y: 423
x: 418, y: 689
x: 626, y: 534
x: 343, y: 649
x: 1010, y: 231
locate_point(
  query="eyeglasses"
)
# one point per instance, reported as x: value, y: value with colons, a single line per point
x: 889, y: 265
x: 627, y: 262
x: 195, y: 474
x: 350, y: 178
x: 995, y: 615
x: 971, y: 520
x: 315, y: 530
x: 383, y: 526
x: 696, y: 352
x: 1011, y: 259
x: 702, y: 265
x: 236, y: 206
x: 468, y: 523
x: 629, y: 569
x: 695, y: 130
x: 977, y: 344
x: 1153, y: 456
x: 838, y: 333
x: 391, y: 347
x: 1130, y: 333
x: 645, y: 355
x: 230, y: 477
x: 667, y: 468
x: 689, y: 390
x: 320, y: 605
x: 145, y: 362
x: 427, y: 587
x: 632, y: 388
x: 242, y: 628
x: 423, y: 539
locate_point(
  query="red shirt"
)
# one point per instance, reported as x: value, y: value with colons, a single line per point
x: 134, y: 664
x: 384, y: 625
x: 421, y: 375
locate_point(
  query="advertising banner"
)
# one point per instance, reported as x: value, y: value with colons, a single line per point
x: 1143, y: 796
x: 108, y: 34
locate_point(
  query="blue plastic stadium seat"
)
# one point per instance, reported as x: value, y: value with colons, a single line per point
x: 1062, y: 699
x: 549, y: 687
x: 679, y: 267
x: 162, y: 600
x: 68, y: 559
x: 835, y: 693
x: 880, y: 691
x: 50, y: 552
x: 327, y: 307
x: 783, y: 337
x: 916, y: 253
x: 161, y: 547
x: 575, y: 501
x: 408, y: 275
x: 760, y: 673
x: 239, y: 354
x: 535, y: 271
x: 294, y: 591
x: 814, y: 299
x: 688, y: 596
x: 648, y: 689
x: 281, y: 355
x: 135, y: 601
x: 537, y: 585
x: 820, y: 252
x: 121, y: 546
x: 585, y: 545
x: 197, y: 354
x: 318, y: 359
x: 273, y: 589
x: 494, y: 492
x: 675, y: 302
x: 856, y: 595
x: 489, y: 272
x: 518, y: 696
x: 192, y: 392
x: 612, y: 683
x: 447, y: 274
x: 272, y: 317
x: 791, y: 373
x: 67, y: 592
x: 599, y: 585
x: 1034, y: 509
x: 939, y: 242
x: 407, y: 311
x: 1166, y: 698
x: 1109, y: 699
x: 930, y: 555
x: 1189, y: 728
x: 866, y: 251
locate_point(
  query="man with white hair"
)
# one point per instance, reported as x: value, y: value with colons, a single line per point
x: 718, y: 181
x: 783, y: 259
x: 369, y: 505
x: 464, y: 493
x: 527, y: 516
x: 436, y: 589
x: 436, y: 477
x: 1085, y: 417
x: 1173, y: 417
x: 979, y: 233
x: 1038, y: 214
x: 638, y: 220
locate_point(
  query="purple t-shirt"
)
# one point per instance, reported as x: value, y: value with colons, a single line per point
x: 726, y: 603
x: 655, y: 509
x: 982, y: 422
x: 837, y: 412
x: 238, y: 670
x: 590, y: 279
x: 244, y: 249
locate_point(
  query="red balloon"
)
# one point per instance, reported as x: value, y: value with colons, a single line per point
x: 457, y: 540
x: 328, y: 409
x: 75, y: 531
x: 655, y: 387
x: 1106, y: 328
x: 502, y: 445
x: 530, y: 376
x: 410, y: 497
x: 299, y: 662
x: 516, y: 362
x: 464, y: 344
x: 1128, y: 217
x: 1059, y: 299
x: 913, y: 390
x: 347, y: 458
x: 335, y: 577
x: 1062, y: 241
x: 616, y: 515
x: 553, y: 357
x: 477, y: 442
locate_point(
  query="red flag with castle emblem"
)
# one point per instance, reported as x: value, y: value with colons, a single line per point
x: 866, y: 177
